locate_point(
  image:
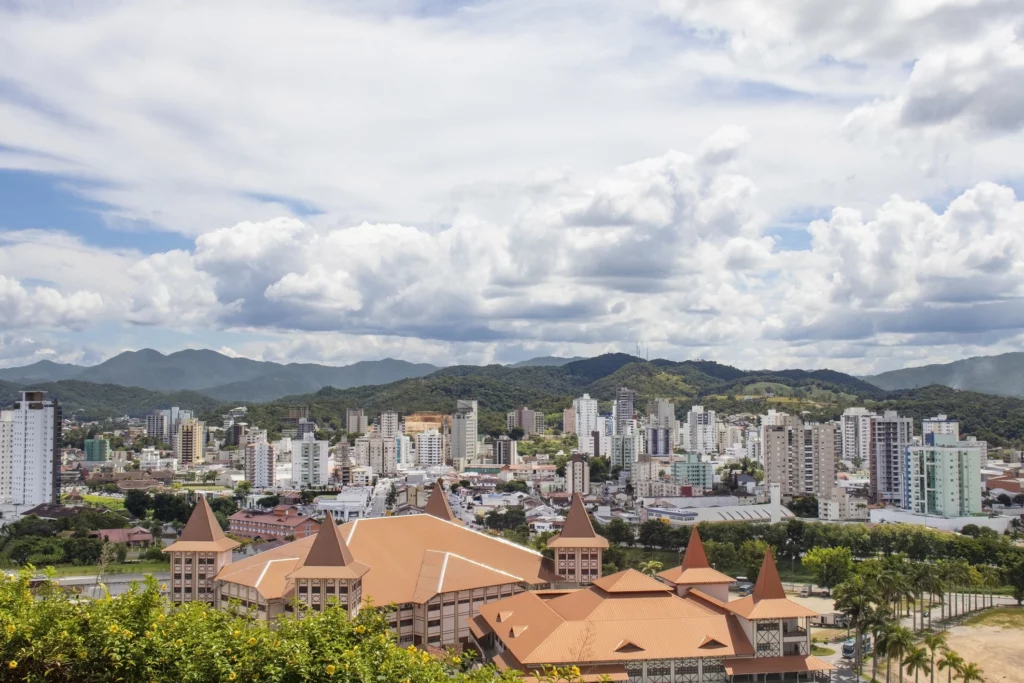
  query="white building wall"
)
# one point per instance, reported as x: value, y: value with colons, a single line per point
x: 260, y: 464
x: 309, y: 463
x: 6, y: 454
x: 35, y: 451
x: 429, y: 449
x: 585, y: 409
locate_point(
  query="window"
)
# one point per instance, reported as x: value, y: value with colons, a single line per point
x: 405, y: 622
x: 433, y: 622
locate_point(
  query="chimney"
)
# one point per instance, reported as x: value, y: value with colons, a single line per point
x: 775, y: 498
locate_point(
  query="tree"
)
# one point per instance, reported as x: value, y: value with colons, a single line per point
x: 654, y: 533
x: 896, y: 641
x: 969, y: 671
x: 618, y: 532
x: 1004, y: 499
x: 242, y: 489
x: 392, y: 497
x: 513, y: 486
x: 917, y: 661
x: 505, y: 518
x: 951, y: 662
x: 934, y: 642
x: 516, y: 433
x: 830, y: 566
x: 651, y: 568
x: 137, y: 503
x: 752, y: 556
x: 598, y: 469
x: 1015, y: 578
x: 854, y: 598
x: 271, y: 501
x: 307, y: 496
x: 721, y: 555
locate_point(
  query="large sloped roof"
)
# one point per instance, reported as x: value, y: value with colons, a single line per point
x: 438, y: 506
x: 577, y: 532
x: 202, y: 532
x: 695, y: 569
x: 404, y: 555
x: 769, y: 600
x: 329, y: 556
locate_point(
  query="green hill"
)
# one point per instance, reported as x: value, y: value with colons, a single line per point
x: 87, y: 401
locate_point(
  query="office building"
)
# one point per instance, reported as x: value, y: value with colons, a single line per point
x: 585, y: 421
x: 96, y: 449
x: 855, y: 424
x: 429, y: 449
x: 188, y: 442
x: 35, y: 450
x: 464, y: 433
x: 624, y: 399
x: 944, y: 477
x: 310, y: 466
x: 530, y: 421
x: 355, y: 421
x: 940, y: 424
x: 260, y: 464
x: 389, y: 424
x: 504, y: 451
x: 890, y: 437
x: 577, y: 475
x: 699, y: 432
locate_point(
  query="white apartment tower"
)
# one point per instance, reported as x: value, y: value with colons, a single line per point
x: 383, y: 456
x: 855, y: 425
x: 661, y: 413
x: 940, y: 424
x: 699, y: 432
x: 260, y: 464
x: 577, y: 475
x: 390, y: 425
x: 6, y: 454
x: 355, y: 421
x: 585, y: 420
x: 309, y: 462
x: 464, y: 433
x: 624, y: 408
x: 890, y: 437
x: 429, y: 448
x: 35, y: 450
x: 626, y: 450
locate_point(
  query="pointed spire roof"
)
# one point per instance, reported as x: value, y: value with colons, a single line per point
x: 577, y: 532
x: 695, y: 557
x: 329, y: 556
x: 769, y: 585
x: 202, y: 532
x: 437, y: 504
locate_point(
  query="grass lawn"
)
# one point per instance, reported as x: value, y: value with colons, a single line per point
x: 137, y: 568
x: 829, y: 634
x: 105, y: 501
x: 819, y: 651
x: 1003, y: 617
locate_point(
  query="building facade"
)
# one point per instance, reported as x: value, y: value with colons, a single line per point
x: 429, y: 448
x: 624, y: 408
x: 943, y: 479
x: 855, y: 427
x: 464, y: 433
x: 260, y: 464
x: 699, y: 432
x: 390, y: 424
x: 890, y: 437
x: 577, y: 475
x: 96, y: 450
x: 585, y: 421
x: 504, y: 451
x: 200, y: 552
x: 189, y: 440
x: 36, y: 429
x: 355, y: 421
x: 530, y: 421
x: 310, y: 465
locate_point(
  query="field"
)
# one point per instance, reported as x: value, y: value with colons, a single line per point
x: 993, y: 643
x: 1001, y: 617
x: 105, y: 501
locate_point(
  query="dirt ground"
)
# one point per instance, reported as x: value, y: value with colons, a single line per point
x: 998, y: 651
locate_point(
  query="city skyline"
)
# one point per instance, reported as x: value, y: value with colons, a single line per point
x: 395, y: 181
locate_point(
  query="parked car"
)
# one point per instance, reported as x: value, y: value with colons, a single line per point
x: 850, y: 647
x: 805, y: 592
x: 745, y: 589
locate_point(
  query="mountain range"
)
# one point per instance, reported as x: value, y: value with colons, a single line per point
x: 1002, y: 375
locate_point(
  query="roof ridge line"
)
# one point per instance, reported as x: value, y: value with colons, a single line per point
x: 481, y: 564
x: 488, y: 536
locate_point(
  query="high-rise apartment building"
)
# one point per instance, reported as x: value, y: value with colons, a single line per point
x: 890, y: 437
x: 944, y: 477
x: 464, y: 433
x: 819, y: 464
x: 699, y: 432
x: 156, y: 427
x: 530, y: 421
x: 260, y: 464
x: 661, y: 413
x: 585, y: 421
x: 659, y: 441
x: 569, y: 421
x: 6, y: 454
x: 355, y: 421
x: 855, y: 425
x: 504, y: 451
x: 624, y: 399
x: 577, y: 475
x: 382, y: 455
x: 96, y: 449
x: 188, y: 442
x: 800, y: 458
x: 691, y: 470
x: 310, y: 466
x: 35, y: 450
x: 940, y: 424
x: 429, y: 448
x: 389, y: 424
x: 626, y: 450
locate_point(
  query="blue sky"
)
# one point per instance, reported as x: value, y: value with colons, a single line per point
x: 493, y: 180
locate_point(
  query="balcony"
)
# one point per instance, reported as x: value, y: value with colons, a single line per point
x: 793, y: 632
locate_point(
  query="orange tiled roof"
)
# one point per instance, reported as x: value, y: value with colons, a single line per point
x: 577, y: 532
x: 695, y: 569
x: 775, y: 665
x: 329, y: 557
x: 202, y: 532
x: 769, y: 599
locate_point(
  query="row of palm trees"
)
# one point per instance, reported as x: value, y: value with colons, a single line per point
x: 898, y: 643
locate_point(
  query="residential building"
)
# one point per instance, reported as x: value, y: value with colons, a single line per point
x: 260, y: 464
x: 282, y: 523
x: 437, y: 572
x: 855, y: 425
x: 817, y: 468
x: 661, y: 413
x: 6, y: 454
x: 200, y: 552
x: 940, y: 424
x: 659, y: 441
x: 404, y: 454
x: 156, y: 427
x: 840, y: 506
x: 585, y: 421
x: 355, y: 421
x: 310, y: 467
x: 569, y: 421
x: 578, y: 549
x: 96, y: 449
x: 429, y: 449
x: 782, y: 447
x: 390, y: 425
x: 623, y: 408
x: 691, y: 470
x: 190, y: 437
x: 35, y: 450
x: 632, y: 627
x: 944, y: 478
x: 504, y: 451
x: 304, y: 426
x: 577, y: 475
x: 530, y: 421
x: 464, y: 433
x: 382, y: 455
x: 890, y: 437
x: 626, y: 450
x: 699, y: 432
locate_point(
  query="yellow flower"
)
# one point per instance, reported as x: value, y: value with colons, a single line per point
x: 179, y: 642
x: 359, y: 629
x: 457, y: 660
x: 12, y: 664
x: 11, y: 628
x: 236, y: 633
x: 160, y: 618
x: 232, y: 676
x: 330, y: 669
x: 163, y: 586
x: 251, y: 641
x: 574, y: 670
x: 113, y: 628
x: 63, y: 634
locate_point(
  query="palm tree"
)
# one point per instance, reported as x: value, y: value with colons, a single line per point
x: 899, y: 640
x: 651, y: 568
x: 991, y: 577
x: 853, y: 598
x: 974, y: 580
x: 950, y: 661
x: 874, y: 620
x: 916, y: 661
x: 934, y: 641
x: 969, y: 671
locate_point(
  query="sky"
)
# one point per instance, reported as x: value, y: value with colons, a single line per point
x: 769, y: 185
